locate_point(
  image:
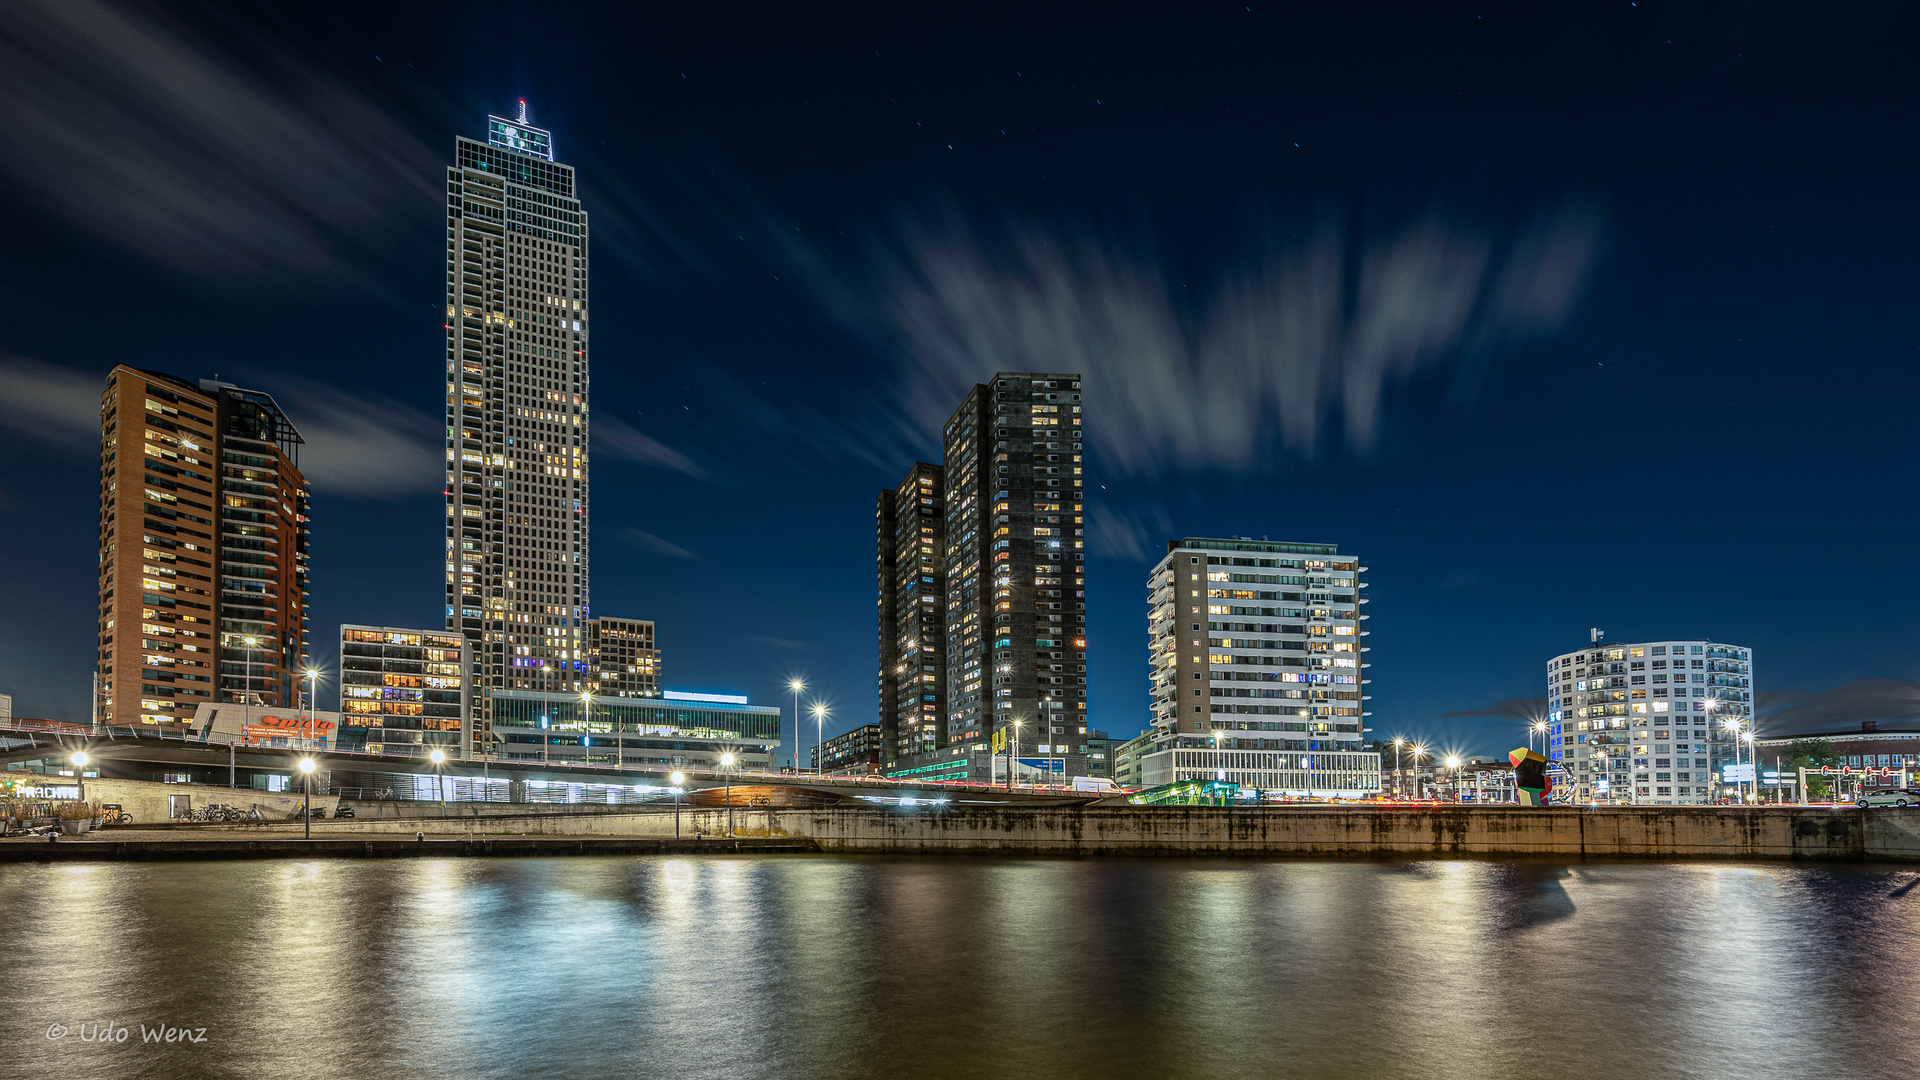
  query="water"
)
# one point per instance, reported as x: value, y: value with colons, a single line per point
x: 850, y: 967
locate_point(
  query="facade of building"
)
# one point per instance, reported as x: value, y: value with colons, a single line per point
x: 204, y: 540
x: 1128, y: 771
x: 1318, y: 774
x: 404, y: 691
x: 1889, y: 747
x: 1016, y: 620
x: 676, y: 730
x: 625, y: 662
x: 1100, y: 748
x: 517, y: 419
x: 855, y: 752
x: 1645, y: 722
x: 1259, y: 640
x: 911, y: 573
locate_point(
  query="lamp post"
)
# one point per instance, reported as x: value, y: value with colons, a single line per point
x: 819, y: 744
x: 80, y: 759
x: 1732, y: 727
x: 313, y: 701
x: 1219, y: 763
x: 1414, y: 773
x: 1397, y: 742
x: 246, y: 711
x: 1753, y: 762
x: 726, y: 764
x: 1014, y: 761
x: 796, y: 686
x: 1539, y: 728
x: 306, y: 766
x: 679, y: 781
x: 1453, y: 762
x: 439, y: 757
x: 543, y: 739
x: 586, y: 723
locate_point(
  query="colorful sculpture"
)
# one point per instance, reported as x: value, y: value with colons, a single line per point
x: 1530, y: 776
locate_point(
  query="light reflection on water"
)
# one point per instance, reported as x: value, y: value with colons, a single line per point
x: 849, y: 967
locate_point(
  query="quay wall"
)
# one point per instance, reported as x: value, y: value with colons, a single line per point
x: 1683, y: 832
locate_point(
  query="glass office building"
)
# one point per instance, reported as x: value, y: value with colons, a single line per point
x: 678, y: 730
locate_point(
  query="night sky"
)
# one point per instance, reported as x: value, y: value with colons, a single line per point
x: 1559, y: 316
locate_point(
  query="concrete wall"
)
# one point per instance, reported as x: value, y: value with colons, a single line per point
x: 1681, y: 832
x: 147, y: 801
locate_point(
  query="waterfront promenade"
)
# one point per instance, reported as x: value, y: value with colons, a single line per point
x: 1788, y: 833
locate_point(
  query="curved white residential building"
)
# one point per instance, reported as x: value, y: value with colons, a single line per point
x: 1645, y: 722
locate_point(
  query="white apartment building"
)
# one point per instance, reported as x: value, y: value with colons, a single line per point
x: 1645, y: 723
x: 1254, y: 667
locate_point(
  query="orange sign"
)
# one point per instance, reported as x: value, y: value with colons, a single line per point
x: 291, y: 723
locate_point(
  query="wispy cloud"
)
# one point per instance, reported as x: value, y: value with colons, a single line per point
x: 1122, y: 534
x: 364, y: 447
x: 648, y: 542
x: 55, y: 406
x: 202, y: 156
x: 1309, y: 328
x: 618, y: 439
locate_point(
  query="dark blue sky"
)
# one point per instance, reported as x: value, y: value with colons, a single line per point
x: 1598, y: 316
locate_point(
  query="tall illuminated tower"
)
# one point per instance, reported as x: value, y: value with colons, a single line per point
x: 516, y: 496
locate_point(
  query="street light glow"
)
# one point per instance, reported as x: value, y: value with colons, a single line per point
x: 679, y: 779
x: 726, y: 760
x: 306, y: 765
x: 796, y: 686
x: 1453, y: 762
x: 80, y: 758
x: 437, y: 756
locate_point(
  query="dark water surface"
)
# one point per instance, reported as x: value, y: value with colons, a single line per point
x: 828, y: 967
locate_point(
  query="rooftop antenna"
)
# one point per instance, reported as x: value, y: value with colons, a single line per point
x: 523, y: 111
x: 1596, y: 635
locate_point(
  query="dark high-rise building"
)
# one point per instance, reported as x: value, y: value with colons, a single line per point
x: 203, y: 549
x: 910, y: 527
x: 1016, y: 574
x: 517, y: 552
x: 625, y: 662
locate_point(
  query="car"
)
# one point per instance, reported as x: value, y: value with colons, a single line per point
x: 1891, y: 797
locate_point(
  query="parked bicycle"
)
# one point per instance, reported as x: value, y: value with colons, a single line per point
x: 114, y: 815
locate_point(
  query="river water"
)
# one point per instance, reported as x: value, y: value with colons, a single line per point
x: 814, y: 966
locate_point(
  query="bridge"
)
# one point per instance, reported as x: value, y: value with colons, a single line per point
x: 143, y: 753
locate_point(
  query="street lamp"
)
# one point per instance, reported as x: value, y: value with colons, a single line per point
x: 796, y: 686
x: 313, y: 701
x: 819, y: 746
x: 726, y: 763
x: 1453, y: 762
x: 1416, y: 754
x: 439, y: 758
x: 586, y: 722
x: 1219, y: 770
x: 80, y: 759
x: 306, y: 766
x: 1397, y: 789
x: 1014, y: 761
x: 679, y: 781
x: 1539, y: 728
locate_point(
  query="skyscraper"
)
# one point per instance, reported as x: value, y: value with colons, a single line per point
x: 1016, y: 621
x: 203, y: 549
x: 911, y: 568
x: 517, y: 503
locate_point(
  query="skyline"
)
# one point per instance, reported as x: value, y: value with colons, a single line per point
x: 1460, y: 352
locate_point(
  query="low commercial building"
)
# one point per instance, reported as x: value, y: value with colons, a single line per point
x: 855, y: 752
x: 676, y: 730
x: 1316, y: 773
x: 1645, y: 723
x: 1128, y: 755
x: 261, y: 725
